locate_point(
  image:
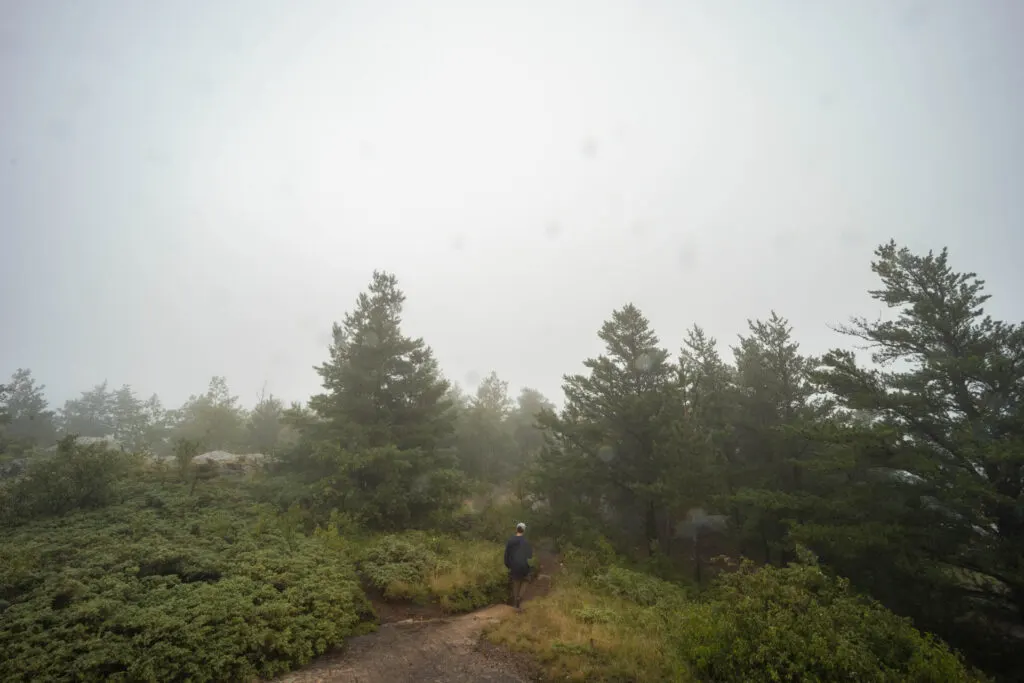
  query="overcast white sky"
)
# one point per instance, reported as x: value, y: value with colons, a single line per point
x: 201, y: 187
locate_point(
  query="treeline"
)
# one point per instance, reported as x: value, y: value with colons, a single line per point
x: 904, y: 475
x: 214, y: 418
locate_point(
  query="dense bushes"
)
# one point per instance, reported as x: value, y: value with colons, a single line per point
x: 799, y: 624
x: 170, y: 587
x: 78, y: 476
x: 755, y: 624
x: 459, y: 576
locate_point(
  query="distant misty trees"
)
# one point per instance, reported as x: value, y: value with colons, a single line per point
x: 213, y: 420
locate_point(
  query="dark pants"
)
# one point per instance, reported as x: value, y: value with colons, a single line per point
x: 518, y: 582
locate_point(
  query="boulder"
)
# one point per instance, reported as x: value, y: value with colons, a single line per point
x: 231, y: 462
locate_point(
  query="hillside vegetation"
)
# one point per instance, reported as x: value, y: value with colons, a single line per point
x: 877, y: 506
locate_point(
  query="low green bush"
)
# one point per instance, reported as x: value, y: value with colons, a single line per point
x: 637, y: 587
x: 458, y: 575
x: 799, y: 624
x: 755, y: 624
x: 76, y: 477
x: 168, y: 586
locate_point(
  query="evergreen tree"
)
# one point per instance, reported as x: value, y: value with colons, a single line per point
x: 702, y: 434
x: 382, y: 387
x: 213, y: 420
x: 29, y: 422
x: 384, y: 419
x: 773, y: 399
x: 485, y: 444
x: 131, y: 423
x: 158, y: 426
x: 525, y: 427
x: 608, y: 437
x: 266, y: 424
x: 91, y: 414
x: 942, y: 452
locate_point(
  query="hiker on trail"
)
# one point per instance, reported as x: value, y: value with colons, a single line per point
x: 517, y: 559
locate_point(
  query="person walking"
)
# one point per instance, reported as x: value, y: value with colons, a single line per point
x: 517, y: 560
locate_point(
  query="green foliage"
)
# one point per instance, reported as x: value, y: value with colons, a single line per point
x: 459, y: 576
x: 398, y: 566
x: 76, y: 477
x: 756, y: 624
x: 213, y: 419
x: 375, y: 450
x: 387, y: 488
x: 799, y: 624
x: 904, y: 475
x: 933, y: 436
x: 382, y: 388
x: 170, y: 587
x: 266, y: 425
x: 27, y: 421
x: 639, y: 587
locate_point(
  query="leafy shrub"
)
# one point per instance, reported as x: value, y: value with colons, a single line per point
x: 166, y: 587
x: 77, y: 477
x: 496, y: 521
x: 637, y: 587
x: 757, y: 624
x: 799, y: 624
x: 591, y: 560
x: 458, y: 575
x: 398, y: 566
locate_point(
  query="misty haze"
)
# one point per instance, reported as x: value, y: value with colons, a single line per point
x: 386, y: 341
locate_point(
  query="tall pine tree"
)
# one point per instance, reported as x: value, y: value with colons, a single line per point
x: 384, y: 419
x: 944, y: 437
x: 382, y: 387
x: 606, y: 447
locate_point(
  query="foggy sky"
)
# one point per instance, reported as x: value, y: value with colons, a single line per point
x: 201, y: 187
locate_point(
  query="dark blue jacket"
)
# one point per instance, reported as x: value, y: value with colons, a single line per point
x: 517, y: 557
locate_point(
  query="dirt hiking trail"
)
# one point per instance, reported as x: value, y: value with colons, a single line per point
x: 417, y: 645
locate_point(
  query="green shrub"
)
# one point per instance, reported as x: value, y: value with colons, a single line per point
x: 398, y: 566
x: 799, y: 624
x: 757, y: 624
x: 168, y: 586
x: 458, y: 575
x: 642, y: 589
x: 76, y: 477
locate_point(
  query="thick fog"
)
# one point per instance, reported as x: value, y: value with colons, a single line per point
x: 199, y: 188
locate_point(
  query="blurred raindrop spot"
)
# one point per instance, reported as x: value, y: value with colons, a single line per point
x: 687, y: 256
x: 606, y: 453
x: 472, y: 378
x: 589, y: 147
x: 644, y: 362
x: 366, y: 151
x: 552, y: 230
x: 371, y: 339
x: 458, y: 241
